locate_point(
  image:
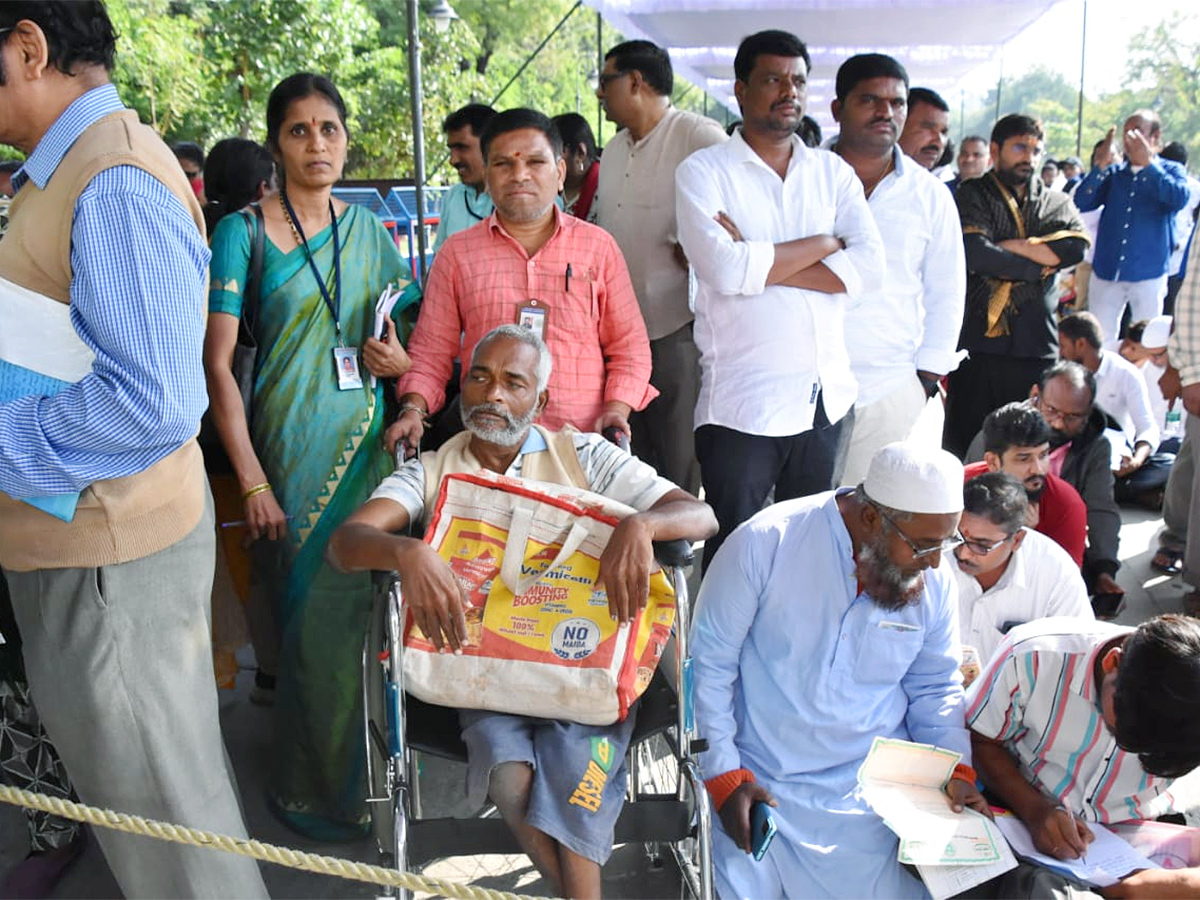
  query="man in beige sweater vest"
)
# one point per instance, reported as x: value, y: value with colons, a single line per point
x: 503, y: 391
x: 106, y: 524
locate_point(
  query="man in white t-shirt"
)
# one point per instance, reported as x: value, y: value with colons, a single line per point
x: 635, y: 203
x: 1008, y: 575
x: 1122, y: 393
x: 901, y: 337
x: 779, y: 235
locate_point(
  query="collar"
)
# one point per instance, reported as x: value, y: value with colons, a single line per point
x: 744, y: 153
x: 1015, y: 574
x: 83, y: 112
x: 1106, y: 363
x: 493, y: 224
x: 657, y: 125
x: 901, y: 162
x: 535, y: 442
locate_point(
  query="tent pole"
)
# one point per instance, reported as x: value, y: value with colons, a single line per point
x: 1082, y: 63
x: 599, y: 69
x: 999, y: 86
x: 414, y: 83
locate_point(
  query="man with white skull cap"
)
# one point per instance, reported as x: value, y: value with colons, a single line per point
x: 822, y: 623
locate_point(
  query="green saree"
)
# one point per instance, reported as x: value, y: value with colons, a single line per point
x: 322, y: 451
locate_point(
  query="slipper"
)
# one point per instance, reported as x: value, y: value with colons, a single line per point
x: 1167, y: 561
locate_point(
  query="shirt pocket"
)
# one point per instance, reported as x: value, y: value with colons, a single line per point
x: 888, y: 650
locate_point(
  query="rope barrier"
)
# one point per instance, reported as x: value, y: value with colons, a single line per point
x: 280, y: 856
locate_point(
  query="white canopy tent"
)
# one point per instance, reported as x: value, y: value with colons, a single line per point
x: 938, y: 41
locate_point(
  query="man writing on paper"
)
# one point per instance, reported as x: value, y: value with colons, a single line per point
x: 528, y: 767
x: 823, y: 623
x: 1075, y: 722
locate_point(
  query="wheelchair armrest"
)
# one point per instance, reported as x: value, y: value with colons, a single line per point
x: 673, y: 554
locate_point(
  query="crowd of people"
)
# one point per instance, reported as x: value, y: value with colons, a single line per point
x: 766, y: 318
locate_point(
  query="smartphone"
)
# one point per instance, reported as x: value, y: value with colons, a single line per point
x: 762, y: 829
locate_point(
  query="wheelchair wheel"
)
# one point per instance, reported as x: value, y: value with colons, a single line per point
x: 381, y: 780
x: 657, y: 770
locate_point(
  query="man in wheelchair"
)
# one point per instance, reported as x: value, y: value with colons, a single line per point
x: 536, y: 771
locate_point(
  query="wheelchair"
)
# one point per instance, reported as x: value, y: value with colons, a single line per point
x: 667, y: 805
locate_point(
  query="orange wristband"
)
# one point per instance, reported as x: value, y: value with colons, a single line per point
x: 722, y: 786
x: 964, y: 773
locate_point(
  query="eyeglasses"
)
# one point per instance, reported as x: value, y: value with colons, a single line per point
x: 1053, y: 412
x: 921, y: 552
x: 606, y: 78
x: 983, y: 548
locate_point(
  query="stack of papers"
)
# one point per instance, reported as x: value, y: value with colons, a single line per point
x: 383, y: 311
x: 1107, y: 861
x: 903, y: 782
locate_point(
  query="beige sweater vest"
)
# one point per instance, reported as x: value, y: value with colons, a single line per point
x: 121, y: 519
x: 558, y: 464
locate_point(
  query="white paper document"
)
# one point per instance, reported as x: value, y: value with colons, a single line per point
x: 1108, y: 859
x: 904, y: 784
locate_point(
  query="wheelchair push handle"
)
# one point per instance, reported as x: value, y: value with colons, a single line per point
x: 670, y: 554
x: 615, y: 435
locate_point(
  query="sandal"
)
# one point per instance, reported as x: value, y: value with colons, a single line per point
x: 1167, y: 561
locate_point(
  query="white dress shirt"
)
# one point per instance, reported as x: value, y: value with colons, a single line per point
x: 1041, y: 581
x: 913, y: 320
x: 635, y: 203
x: 1121, y: 392
x: 766, y: 351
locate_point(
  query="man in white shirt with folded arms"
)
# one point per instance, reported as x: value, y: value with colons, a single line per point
x: 902, y: 336
x: 779, y: 235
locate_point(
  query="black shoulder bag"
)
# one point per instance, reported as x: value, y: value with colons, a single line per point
x: 216, y: 460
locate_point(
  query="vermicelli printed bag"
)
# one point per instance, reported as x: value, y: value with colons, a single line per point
x: 542, y: 642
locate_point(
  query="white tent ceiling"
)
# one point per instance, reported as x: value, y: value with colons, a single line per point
x: 938, y: 41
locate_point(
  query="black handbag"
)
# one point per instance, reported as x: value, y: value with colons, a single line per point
x: 245, y: 352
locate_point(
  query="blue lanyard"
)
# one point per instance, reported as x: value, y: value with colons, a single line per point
x: 334, y: 303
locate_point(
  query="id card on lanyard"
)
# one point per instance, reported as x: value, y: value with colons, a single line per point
x: 531, y: 314
x: 345, y: 359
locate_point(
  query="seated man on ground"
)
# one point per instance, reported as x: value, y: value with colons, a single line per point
x: 1016, y: 440
x: 1081, y: 455
x: 1139, y: 469
x: 1075, y: 722
x: 823, y: 623
x: 528, y: 767
x: 1008, y: 575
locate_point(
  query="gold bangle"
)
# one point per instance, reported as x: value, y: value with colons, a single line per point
x: 257, y: 489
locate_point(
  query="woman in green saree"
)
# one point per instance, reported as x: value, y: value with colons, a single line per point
x: 313, y: 449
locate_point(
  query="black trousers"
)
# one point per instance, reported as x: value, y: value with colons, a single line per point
x: 982, y: 383
x: 739, y: 470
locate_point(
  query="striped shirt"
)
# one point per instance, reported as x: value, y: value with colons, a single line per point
x: 1184, y: 347
x: 1038, y: 696
x: 139, y: 272
x: 609, y: 470
x: 593, y: 325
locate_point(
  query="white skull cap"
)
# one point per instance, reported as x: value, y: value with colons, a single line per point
x: 916, y: 479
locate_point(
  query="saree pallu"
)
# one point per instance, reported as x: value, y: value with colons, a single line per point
x: 322, y: 451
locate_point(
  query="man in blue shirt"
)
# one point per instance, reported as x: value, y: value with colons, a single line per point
x: 103, y: 274
x: 1137, y: 234
x: 468, y: 203
x: 823, y: 623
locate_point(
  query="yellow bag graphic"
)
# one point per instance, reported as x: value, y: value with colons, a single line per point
x: 542, y: 642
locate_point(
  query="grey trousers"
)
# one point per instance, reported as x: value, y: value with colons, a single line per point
x: 119, y: 662
x: 1177, y: 497
x: 662, y: 432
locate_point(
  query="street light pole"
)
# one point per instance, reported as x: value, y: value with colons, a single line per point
x: 418, y: 131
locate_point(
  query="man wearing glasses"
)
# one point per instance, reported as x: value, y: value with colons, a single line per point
x: 1081, y: 455
x: 1007, y: 574
x: 822, y: 623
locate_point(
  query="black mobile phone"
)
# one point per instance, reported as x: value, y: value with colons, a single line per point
x: 762, y: 829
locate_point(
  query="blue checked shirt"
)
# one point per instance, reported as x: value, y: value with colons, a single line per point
x: 139, y: 272
x: 1137, y: 227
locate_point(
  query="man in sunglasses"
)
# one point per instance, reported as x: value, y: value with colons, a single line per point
x: 1076, y: 722
x: 1007, y: 574
x: 1081, y: 455
x: 823, y: 623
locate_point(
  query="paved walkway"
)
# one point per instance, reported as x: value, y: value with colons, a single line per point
x: 628, y: 875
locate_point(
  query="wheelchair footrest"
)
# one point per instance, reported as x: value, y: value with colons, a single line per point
x: 653, y: 818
